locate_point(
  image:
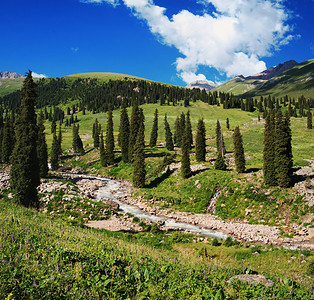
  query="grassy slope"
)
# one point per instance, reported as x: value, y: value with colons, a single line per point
x: 183, y: 194
x: 8, y: 86
x: 43, y: 257
x: 294, y: 82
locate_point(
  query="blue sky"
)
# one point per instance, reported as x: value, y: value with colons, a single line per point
x: 167, y: 41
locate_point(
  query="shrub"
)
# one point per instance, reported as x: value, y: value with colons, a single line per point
x: 228, y: 241
x: 215, y: 242
x: 310, y: 268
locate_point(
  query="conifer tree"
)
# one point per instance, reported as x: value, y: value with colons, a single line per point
x: 176, y: 131
x: 53, y: 126
x: 169, y: 142
x: 185, y: 160
x: 154, y: 132
x: 124, y: 134
x: 220, y: 140
x: 200, y: 141
x: 139, y: 171
x: 134, y: 127
x: 188, y: 128
x: 102, y: 151
x: 109, y: 139
x: 42, y: 152
x: 77, y: 143
x: 283, y: 153
x: 269, y: 150
x: 54, y: 155
x: 59, y: 141
x: 309, y: 120
x: 220, y: 162
x: 96, y: 132
x: 24, y: 173
x: 238, y: 150
x: 7, y: 140
x: 228, y: 124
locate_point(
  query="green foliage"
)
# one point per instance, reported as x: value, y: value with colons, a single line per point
x: 139, y: 171
x: 220, y: 144
x: 154, y: 132
x: 200, y: 141
x: 188, y: 130
x: 7, y: 142
x: 54, y: 155
x: 109, y: 140
x: 238, y: 150
x: 228, y: 242
x: 185, y: 160
x: 77, y: 143
x: 220, y: 162
x: 310, y: 268
x: 215, y: 242
x: 309, y: 120
x: 96, y: 133
x: 102, y: 152
x: 169, y: 141
x: 124, y: 133
x: 24, y: 173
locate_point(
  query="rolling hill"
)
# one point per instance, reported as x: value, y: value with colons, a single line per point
x: 288, y: 79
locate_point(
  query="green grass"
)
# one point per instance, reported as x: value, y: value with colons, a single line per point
x: 42, y: 257
x: 8, y: 86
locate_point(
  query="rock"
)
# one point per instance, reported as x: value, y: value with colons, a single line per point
x: 199, y: 186
x: 252, y: 279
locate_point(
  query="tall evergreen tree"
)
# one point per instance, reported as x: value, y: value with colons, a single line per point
x: 185, y: 160
x: 124, y: 134
x: 309, y: 120
x: 53, y: 126
x: 176, y: 130
x: 269, y: 168
x: 188, y: 129
x: 134, y: 127
x: 200, y: 141
x: 283, y: 153
x: 54, y: 154
x: 220, y: 140
x: 96, y: 132
x: 109, y: 139
x: 168, y: 133
x: 24, y: 173
x: 102, y: 151
x: 42, y: 152
x: 228, y: 124
x: 139, y: 171
x: 59, y: 141
x: 7, y: 140
x: 238, y: 150
x: 77, y: 143
x: 154, y: 132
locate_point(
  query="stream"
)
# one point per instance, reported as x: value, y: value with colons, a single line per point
x: 112, y: 191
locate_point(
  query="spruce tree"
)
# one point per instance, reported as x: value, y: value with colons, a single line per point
x: 283, y: 153
x: 139, y: 171
x: 53, y: 126
x: 154, y: 132
x: 185, y: 160
x: 54, y: 154
x: 7, y: 140
x: 238, y: 150
x: 228, y: 124
x: 134, y: 127
x: 24, y: 173
x: 269, y: 168
x: 109, y: 139
x: 102, y: 151
x: 42, y: 152
x: 96, y: 132
x: 77, y: 143
x: 309, y: 120
x: 200, y: 141
x: 169, y: 142
x: 124, y: 134
x: 188, y: 128
x: 176, y: 131
x: 220, y: 140
x: 220, y: 162
x: 59, y: 141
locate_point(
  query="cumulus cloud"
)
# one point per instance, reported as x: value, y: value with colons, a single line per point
x: 36, y: 75
x: 233, y: 38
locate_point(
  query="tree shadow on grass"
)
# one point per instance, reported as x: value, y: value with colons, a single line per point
x: 160, y: 179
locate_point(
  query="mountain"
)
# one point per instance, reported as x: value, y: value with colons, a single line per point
x: 241, y: 85
x: 295, y: 82
x: 10, y: 75
x: 202, y: 85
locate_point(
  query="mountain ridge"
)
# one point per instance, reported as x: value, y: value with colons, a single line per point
x: 10, y: 75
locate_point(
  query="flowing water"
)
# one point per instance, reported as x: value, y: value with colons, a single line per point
x: 112, y: 191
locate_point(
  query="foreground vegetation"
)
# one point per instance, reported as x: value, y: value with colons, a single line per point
x: 42, y: 257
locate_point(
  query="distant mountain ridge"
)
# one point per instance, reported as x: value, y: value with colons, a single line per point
x: 10, y: 75
x: 274, y: 71
x: 202, y: 85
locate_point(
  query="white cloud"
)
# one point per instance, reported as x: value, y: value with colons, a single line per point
x: 36, y: 75
x: 233, y: 39
x: 191, y: 76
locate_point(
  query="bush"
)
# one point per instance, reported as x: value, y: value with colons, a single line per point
x: 154, y: 228
x: 228, y: 242
x: 215, y: 242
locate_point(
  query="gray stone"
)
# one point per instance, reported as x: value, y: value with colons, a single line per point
x: 252, y: 279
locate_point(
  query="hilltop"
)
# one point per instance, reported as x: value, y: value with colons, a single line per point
x: 290, y: 79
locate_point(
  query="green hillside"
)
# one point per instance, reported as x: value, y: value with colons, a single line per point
x: 236, y: 86
x: 8, y: 86
x: 294, y: 82
x: 105, y: 76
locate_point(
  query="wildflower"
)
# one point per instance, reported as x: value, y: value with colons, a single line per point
x: 27, y: 256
